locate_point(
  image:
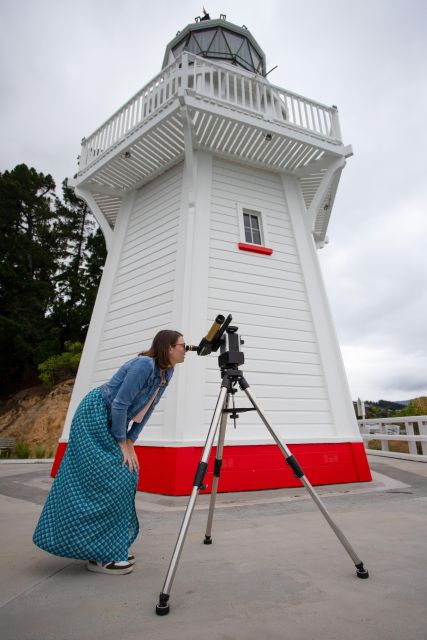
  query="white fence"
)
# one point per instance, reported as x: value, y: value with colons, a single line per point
x: 221, y: 83
x: 410, y: 429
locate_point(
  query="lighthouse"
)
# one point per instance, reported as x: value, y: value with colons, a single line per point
x: 214, y: 189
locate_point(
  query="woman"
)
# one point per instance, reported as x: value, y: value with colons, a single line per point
x: 90, y: 511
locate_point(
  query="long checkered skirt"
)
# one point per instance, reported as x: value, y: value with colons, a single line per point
x: 90, y: 511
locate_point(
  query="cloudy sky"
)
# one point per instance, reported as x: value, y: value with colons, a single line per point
x: 66, y: 65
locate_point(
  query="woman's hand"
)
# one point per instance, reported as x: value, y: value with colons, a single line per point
x: 129, y: 455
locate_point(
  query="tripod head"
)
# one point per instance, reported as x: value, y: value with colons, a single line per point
x: 222, y: 336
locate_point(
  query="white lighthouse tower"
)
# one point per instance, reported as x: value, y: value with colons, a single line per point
x: 214, y: 190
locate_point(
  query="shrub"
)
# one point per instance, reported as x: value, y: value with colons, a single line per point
x: 39, y: 451
x: 60, y: 367
x: 21, y: 450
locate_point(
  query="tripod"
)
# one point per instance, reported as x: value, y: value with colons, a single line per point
x: 229, y: 361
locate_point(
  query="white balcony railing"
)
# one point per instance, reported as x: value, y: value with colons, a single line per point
x: 228, y: 86
x: 410, y: 429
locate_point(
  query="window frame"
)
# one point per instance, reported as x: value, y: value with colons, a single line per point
x: 241, y: 210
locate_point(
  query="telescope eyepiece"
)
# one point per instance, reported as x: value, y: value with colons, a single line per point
x: 190, y: 347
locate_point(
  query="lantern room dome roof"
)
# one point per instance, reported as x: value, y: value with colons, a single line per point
x: 218, y: 40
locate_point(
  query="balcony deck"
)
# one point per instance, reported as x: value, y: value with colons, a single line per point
x: 226, y: 111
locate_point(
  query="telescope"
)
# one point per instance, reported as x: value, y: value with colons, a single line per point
x: 229, y: 361
x: 213, y: 339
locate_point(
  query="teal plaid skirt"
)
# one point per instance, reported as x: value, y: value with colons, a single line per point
x: 90, y: 511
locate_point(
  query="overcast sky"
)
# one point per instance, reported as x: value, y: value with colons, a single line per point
x: 67, y: 65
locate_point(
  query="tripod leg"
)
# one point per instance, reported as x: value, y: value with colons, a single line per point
x: 217, y: 471
x: 299, y: 473
x: 162, y: 608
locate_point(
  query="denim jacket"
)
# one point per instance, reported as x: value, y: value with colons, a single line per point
x: 128, y: 391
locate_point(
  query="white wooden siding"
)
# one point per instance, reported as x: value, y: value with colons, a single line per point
x: 142, y: 296
x: 268, y: 300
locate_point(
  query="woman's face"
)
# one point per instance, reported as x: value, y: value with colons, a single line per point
x: 177, y: 352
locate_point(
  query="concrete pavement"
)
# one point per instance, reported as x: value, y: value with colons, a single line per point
x: 275, y: 570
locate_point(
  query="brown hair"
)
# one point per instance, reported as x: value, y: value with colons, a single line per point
x: 159, y: 349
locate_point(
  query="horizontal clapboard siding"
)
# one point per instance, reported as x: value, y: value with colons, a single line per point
x: 142, y: 296
x: 268, y: 300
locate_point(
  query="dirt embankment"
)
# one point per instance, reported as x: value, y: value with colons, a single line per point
x: 36, y: 415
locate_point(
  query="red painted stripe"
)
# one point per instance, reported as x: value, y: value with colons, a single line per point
x: 60, y: 450
x: 255, y: 248
x: 171, y: 470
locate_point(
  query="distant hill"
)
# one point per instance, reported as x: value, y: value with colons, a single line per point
x: 381, y: 409
x: 395, y: 406
x: 391, y: 409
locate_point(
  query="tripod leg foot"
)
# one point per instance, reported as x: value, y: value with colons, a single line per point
x: 162, y: 609
x: 361, y: 572
x: 207, y: 540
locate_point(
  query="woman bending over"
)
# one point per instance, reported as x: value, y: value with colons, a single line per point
x: 90, y: 511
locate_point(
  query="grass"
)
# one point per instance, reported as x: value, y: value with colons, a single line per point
x: 39, y: 451
x: 396, y: 446
x: 23, y: 450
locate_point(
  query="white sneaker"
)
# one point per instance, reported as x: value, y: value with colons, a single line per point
x: 119, y: 568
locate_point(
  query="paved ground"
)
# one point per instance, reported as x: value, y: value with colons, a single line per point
x: 275, y: 570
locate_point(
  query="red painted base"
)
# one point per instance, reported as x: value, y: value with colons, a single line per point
x: 171, y: 470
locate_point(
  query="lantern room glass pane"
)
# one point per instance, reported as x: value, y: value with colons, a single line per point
x: 179, y: 48
x: 234, y: 41
x: 204, y: 38
x: 255, y: 58
x: 219, y: 45
x: 245, y: 55
x: 193, y: 46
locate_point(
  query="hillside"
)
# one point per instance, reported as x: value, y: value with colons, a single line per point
x: 36, y: 415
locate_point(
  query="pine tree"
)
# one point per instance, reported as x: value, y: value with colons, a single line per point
x: 96, y: 256
x: 51, y: 258
x: 74, y: 226
x: 80, y: 268
x: 29, y: 257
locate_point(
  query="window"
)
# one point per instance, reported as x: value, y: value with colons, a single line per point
x: 253, y: 232
x: 251, y: 223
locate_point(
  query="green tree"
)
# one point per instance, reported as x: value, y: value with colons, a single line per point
x: 380, y: 409
x: 417, y: 407
x: 29, y: 257
x: 96, y: 256
x: 51, y: 259
x: 61, y: 367
x: 80, y: 268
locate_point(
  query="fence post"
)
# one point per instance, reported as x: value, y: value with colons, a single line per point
x: 422, y: 427
x: 335, y: 124
x: 410, y: 432
x: 184, y: 71
x: 83, y: 155
x: 384, y: 443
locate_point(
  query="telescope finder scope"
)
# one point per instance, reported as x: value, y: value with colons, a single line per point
x: 212, y: 339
